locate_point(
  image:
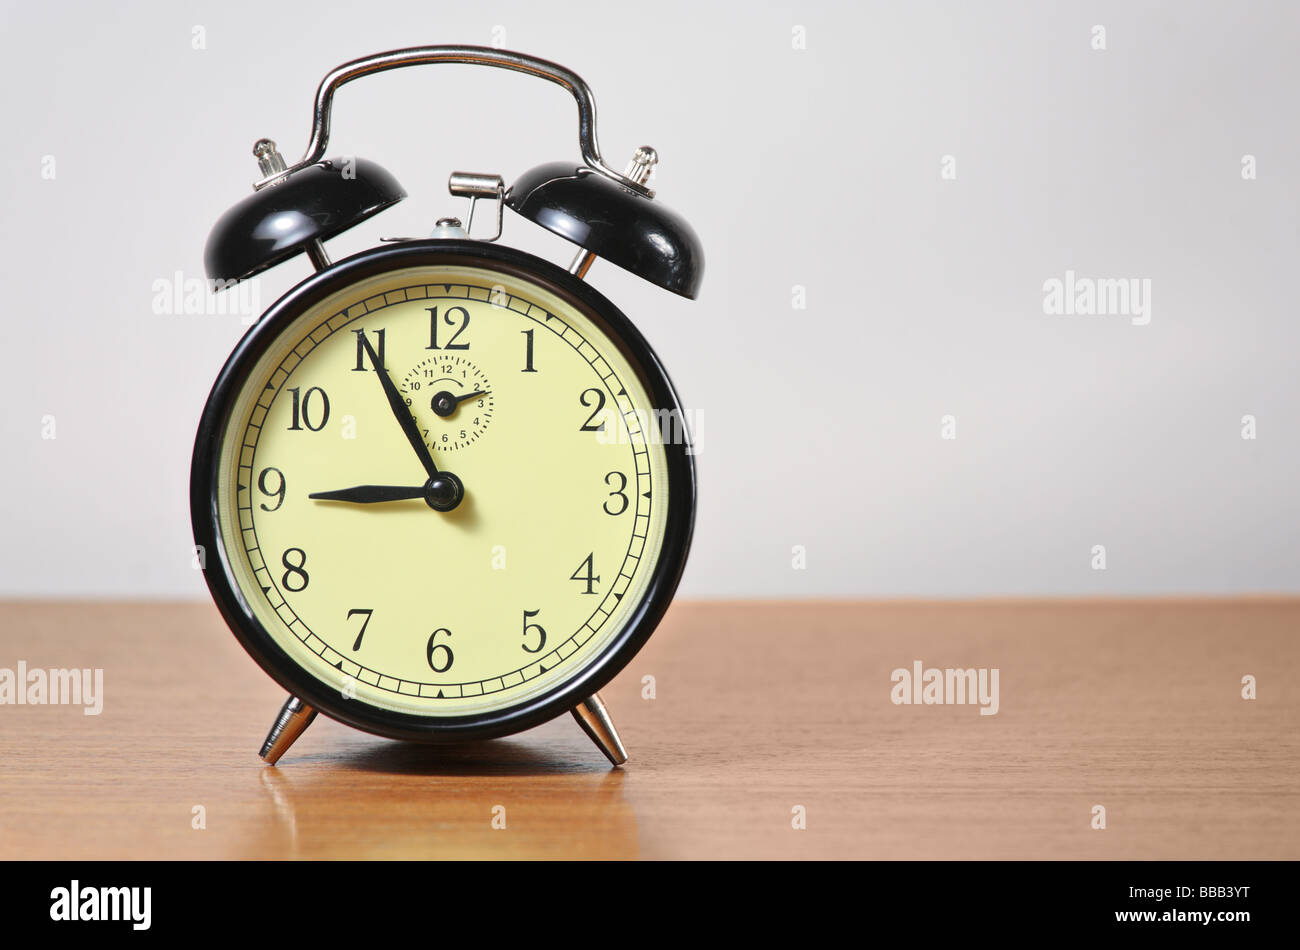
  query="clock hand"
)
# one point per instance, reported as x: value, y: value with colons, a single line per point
x: 443, y: 492
x: 370, y: 494
x: 445, y: 403
x: 404, y: 417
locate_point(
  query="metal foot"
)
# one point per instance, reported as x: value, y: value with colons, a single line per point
x: 295, y: 716
x: 594, y: 719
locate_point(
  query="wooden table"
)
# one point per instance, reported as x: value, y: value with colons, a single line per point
x: 759, y: 707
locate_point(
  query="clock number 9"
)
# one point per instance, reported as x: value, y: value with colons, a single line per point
x: 617, y: 493
x: 541, y: 632
x: 432, y: 647
x: 268, y: 492
x: 295, y: 577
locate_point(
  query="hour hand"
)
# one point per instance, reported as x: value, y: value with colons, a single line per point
x: 445, y: 403
x: 370, y: 494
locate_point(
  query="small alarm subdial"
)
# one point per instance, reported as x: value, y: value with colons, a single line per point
x: 452, y: 401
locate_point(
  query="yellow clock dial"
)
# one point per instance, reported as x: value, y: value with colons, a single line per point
x: 443, y: 613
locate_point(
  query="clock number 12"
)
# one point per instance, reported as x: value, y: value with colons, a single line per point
x: 451, y: 322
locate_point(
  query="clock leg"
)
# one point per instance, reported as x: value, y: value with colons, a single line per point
x: 594, y: 719
x: 295, y: 716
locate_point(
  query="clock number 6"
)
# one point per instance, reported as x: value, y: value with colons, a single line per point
x: 541, y: 632
x: 434, y: 647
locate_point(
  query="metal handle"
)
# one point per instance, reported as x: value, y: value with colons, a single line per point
x: 470, y: 55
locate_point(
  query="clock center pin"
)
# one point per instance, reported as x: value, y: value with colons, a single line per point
x: 443, y: 492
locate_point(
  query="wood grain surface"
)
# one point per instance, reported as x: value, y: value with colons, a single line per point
x: 758, y: 708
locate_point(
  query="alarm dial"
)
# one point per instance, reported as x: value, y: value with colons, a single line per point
x: 459, y: 395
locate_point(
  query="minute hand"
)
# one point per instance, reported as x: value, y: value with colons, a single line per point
x: 400, y: 412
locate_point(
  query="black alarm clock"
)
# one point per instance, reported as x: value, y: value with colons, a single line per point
x: 443, y: 488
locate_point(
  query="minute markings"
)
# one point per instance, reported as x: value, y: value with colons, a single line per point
x: 586, y: 630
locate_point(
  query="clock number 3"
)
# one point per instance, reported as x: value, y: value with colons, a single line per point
x: 619, y: 493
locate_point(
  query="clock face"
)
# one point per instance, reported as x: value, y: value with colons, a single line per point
x: 523, y: 400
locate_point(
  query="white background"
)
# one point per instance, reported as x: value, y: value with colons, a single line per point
x: 817, y: 167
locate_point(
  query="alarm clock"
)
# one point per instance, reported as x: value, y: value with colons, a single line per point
x: 443, y: 489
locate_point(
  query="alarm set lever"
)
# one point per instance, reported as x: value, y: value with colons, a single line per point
x: 477, y: 187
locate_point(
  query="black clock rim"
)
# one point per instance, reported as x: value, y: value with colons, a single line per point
x: 238, y: 613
